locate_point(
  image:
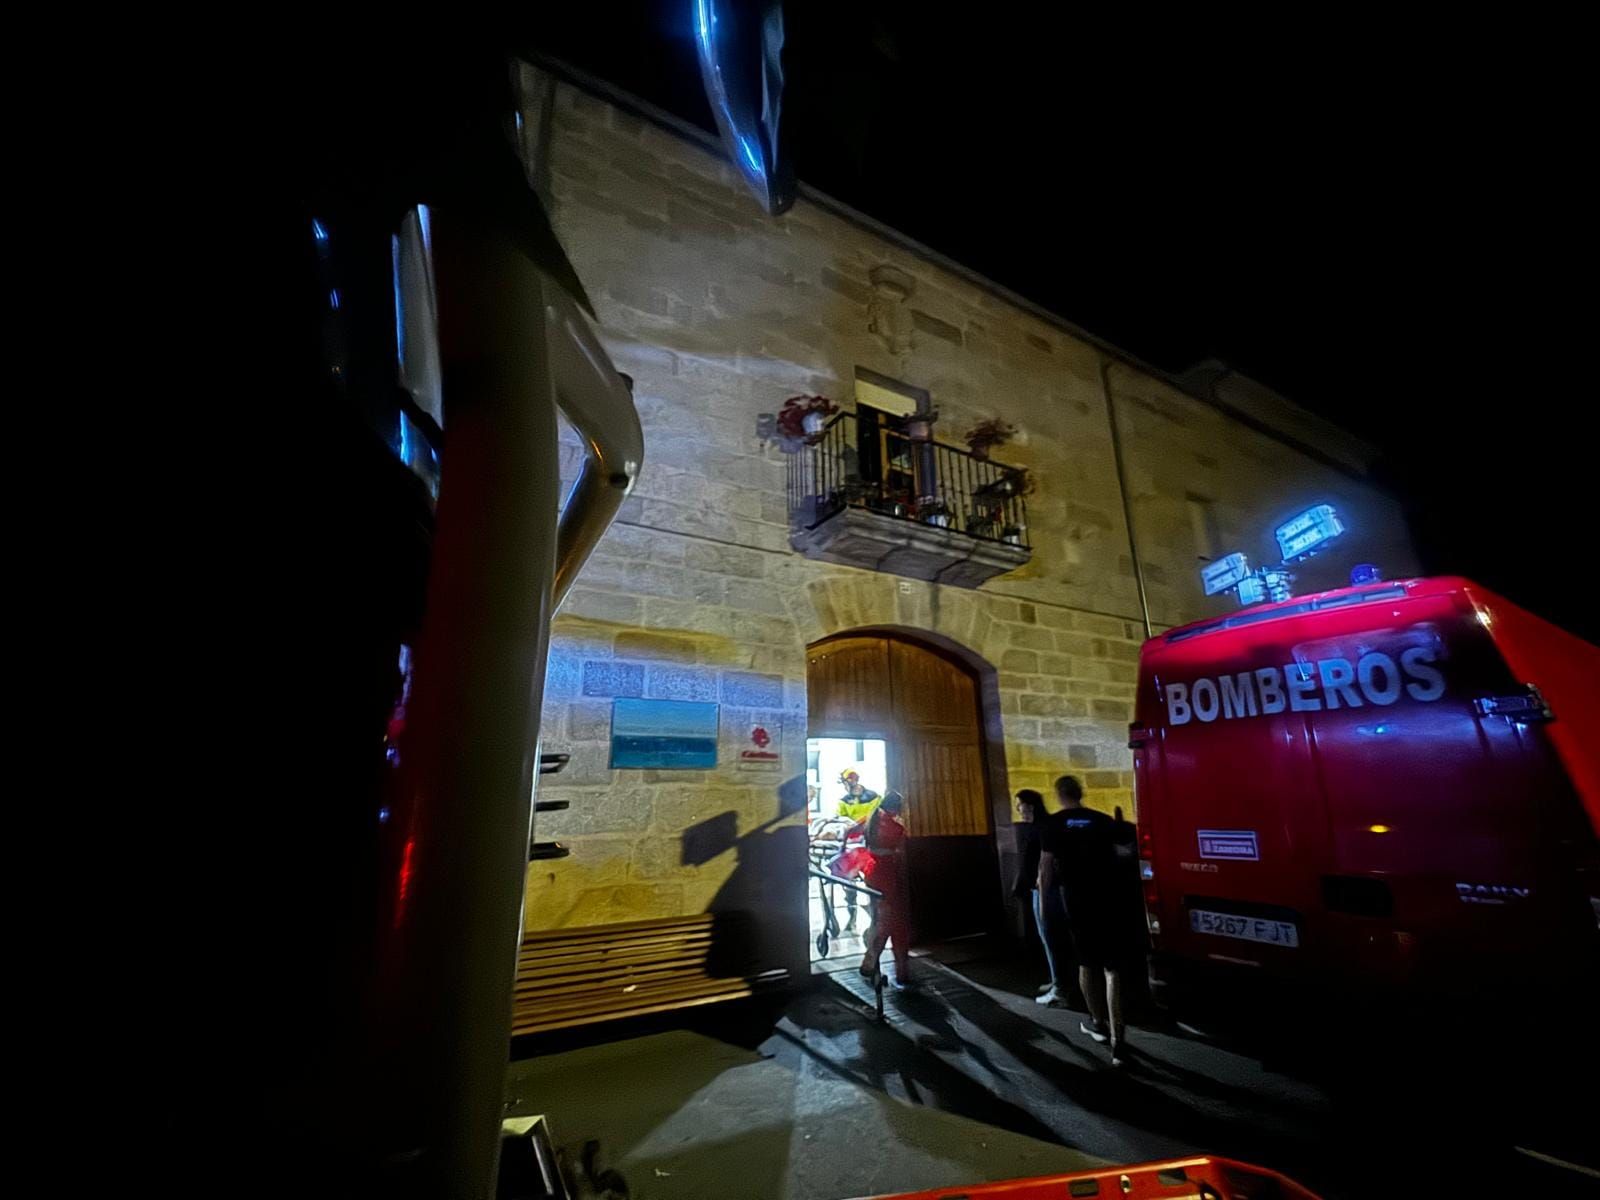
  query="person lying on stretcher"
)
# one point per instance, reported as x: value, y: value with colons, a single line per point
x: 851, y: 863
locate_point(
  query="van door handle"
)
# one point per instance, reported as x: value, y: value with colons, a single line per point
x: 1526, y: 707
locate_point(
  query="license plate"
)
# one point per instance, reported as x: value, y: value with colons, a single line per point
x: 1248, y: 929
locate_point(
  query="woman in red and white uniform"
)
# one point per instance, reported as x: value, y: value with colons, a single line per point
x: 891, y: 916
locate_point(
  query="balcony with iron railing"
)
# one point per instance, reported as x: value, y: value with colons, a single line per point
x: 868, y: 494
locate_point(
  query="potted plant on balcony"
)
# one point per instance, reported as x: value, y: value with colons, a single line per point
x: 934, y: 512
x: 802, y: 417
x: 986, y: 435
x: 891, y: 503
x: 1015, y: 481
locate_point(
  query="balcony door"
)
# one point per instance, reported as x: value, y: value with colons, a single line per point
x: 925, y: 707
x: 886, y: 456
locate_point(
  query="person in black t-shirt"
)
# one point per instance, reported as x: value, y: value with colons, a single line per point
x: 1033, y: 816
x: 1078, y: 856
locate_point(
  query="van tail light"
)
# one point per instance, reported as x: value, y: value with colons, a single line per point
x: 1147, y: 881
x: 1152, y: 897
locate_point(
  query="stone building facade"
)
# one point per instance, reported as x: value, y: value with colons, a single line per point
x: 719, y: 313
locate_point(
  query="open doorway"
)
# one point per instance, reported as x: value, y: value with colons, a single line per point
x: 845, y: 777
x: 904, y: 715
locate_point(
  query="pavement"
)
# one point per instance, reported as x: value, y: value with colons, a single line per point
x: 968, y: 1080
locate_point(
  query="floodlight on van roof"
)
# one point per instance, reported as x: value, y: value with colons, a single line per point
x: 1304, y: 534
x: 1299, y: 538
x: 1252, y: 591
x: 1225, y: 574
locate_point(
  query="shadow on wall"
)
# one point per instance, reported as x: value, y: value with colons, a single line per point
x: 761, y: 907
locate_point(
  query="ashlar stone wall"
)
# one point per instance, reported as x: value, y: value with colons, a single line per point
x: 719, y: 313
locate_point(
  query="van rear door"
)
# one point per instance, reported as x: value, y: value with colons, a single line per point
x: 1234, y: 816
x: 1430, y: 804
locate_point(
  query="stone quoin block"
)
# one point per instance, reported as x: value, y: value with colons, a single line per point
x: 1118, y: 711
x: 680, y: 683
x: 1032, y: 638
x: 601, y: 678
x: 930, y: 324
x: 562, y: 676
x: 1044, y: 706
x: 743, y: 689
x: 598, y: 605
x: 639, y: 643
x: 1020, y: 660
x: 589, y: 722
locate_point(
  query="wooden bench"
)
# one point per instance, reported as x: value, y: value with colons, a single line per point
x: 569, y: 977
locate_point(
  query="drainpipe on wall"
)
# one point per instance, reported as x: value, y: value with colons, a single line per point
x: 927, y: 465
x: 1122, y: 487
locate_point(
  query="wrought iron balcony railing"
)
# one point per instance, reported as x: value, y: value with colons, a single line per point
x: 875, y: 465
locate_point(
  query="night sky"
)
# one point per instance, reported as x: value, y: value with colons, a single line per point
x: 1379, y: 220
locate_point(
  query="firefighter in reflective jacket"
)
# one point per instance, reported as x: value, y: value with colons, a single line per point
x: 857, y: 804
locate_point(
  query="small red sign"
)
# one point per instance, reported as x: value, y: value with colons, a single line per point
x: 762, y: 748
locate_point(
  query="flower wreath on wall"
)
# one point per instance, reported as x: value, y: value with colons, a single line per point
x: 803, y: 417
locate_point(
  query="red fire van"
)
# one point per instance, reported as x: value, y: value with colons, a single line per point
x: 1390, y: 784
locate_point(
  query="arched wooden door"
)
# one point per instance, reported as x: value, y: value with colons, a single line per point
x: 926, y: 707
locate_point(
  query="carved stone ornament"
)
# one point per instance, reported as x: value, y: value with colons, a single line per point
x: 888, y: 317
